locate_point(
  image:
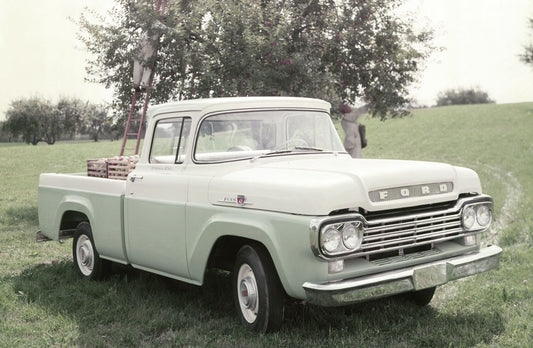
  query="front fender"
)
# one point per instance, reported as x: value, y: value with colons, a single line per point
x: 227, y: 224
x: 285, y: 236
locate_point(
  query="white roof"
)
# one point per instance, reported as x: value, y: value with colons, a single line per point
x: 207, y: 105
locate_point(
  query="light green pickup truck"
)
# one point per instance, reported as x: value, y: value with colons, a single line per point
x: 263, y: 187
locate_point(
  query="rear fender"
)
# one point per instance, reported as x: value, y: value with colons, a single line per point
x: 68, y: 203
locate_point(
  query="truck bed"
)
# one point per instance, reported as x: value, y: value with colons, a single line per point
x: 100, y: 201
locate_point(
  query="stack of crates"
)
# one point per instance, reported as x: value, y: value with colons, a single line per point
x: 97, y: 168
x: 116, y: 168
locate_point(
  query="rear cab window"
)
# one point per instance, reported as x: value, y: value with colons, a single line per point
x: 169, y: 141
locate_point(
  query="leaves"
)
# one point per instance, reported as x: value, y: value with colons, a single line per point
x: 344, y: 51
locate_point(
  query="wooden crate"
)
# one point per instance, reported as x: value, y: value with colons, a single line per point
x: 113, y: 168
x: 97, y: 167
x: 119, y: 167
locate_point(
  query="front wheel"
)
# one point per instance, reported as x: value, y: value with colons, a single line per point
x: 86, y: 259
x: 257, y: 291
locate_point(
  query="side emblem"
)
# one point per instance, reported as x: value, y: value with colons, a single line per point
x: 239, y: 200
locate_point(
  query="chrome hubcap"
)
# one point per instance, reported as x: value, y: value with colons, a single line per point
x: 85, y: 255
x: 248, y: 295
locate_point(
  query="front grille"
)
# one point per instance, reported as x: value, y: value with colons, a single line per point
x: 385, y: 237
x: 396, y: 233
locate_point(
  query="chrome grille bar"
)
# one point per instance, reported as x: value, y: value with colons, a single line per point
x: 410, y: 231
x: 417, y: 231
x: 396, y: 248
x: 404, y: 242
x: 380, y: 227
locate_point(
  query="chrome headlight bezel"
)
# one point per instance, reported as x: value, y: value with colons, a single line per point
x: 348, y: 231
x: 477, y: 217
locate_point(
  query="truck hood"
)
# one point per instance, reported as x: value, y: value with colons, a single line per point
x: 318, y: 185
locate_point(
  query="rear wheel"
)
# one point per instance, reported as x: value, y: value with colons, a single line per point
x: 86, y: 259
x: 257, y: 291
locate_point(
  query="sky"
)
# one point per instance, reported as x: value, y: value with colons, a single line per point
x: 481, y: 41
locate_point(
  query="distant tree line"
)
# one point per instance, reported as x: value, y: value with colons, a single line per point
x: 36, y: 119
x: 463, y: 96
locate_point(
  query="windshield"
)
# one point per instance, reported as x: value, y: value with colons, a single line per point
x: 241, y: 135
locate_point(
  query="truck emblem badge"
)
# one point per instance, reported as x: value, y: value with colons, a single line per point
x: 410, y: 191
x: 239, y: 200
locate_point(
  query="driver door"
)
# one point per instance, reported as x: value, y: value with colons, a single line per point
x: 156, y: 196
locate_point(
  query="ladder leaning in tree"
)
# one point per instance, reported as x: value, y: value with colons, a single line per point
x: 160, y: 8
x: 128, y: 132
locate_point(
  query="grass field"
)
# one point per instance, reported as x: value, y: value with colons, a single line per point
x: 44, y: 303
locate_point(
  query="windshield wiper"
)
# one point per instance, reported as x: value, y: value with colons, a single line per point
x: 276, y: 152
x: 307, y: 148
x: 304, y: 148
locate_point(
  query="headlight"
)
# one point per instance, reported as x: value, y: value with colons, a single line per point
x: 341, y: 237
x: 352, y: 235
x: 477, y: 216
x: 483, y: 215
x: 331, y: 239
x: 469, y: 217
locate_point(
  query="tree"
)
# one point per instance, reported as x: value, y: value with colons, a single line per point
x: 527, y: 56
x: 344, y: 51
x: 5, y: 136
x: 37, y: 119
x: 95, y: 121
x: 34, y: 119
x: 71, y: 112
x: 463, y: 96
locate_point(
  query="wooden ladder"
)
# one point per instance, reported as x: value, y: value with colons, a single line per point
x: 131, y: 118
x: 160, y: 8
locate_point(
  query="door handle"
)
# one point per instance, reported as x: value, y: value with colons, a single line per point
x: 135, y: 177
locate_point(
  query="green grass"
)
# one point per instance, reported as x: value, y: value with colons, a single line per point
x: 44, y: 303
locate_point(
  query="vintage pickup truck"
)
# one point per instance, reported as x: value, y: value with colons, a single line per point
x: 263, y: 187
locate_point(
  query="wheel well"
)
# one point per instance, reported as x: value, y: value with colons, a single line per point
x: 71, y: 220
x: 225, y: 251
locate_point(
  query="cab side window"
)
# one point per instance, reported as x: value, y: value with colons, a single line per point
x: 170, y: 139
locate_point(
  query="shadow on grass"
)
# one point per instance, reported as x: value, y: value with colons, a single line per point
x: 133, y: 308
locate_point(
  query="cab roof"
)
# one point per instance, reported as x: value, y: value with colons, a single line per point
x: 208, y: 105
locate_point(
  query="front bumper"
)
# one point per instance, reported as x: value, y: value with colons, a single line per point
x: 419, y: 277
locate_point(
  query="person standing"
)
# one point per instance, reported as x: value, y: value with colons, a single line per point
x: 354, y: 133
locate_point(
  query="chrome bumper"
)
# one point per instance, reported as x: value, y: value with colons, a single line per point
x: 420, y: 277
